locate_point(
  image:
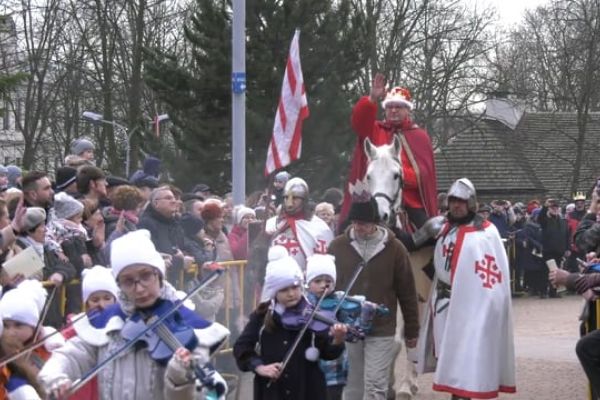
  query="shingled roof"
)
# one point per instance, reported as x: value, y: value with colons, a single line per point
x: 536, y: 160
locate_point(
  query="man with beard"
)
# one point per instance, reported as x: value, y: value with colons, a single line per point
x: 37, y: 191
x: 470, y: 307
x: 296, y: 228
x: 419, y: 192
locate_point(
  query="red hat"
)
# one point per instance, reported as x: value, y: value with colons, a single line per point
x: 211, y: 210
x: 532, y: 205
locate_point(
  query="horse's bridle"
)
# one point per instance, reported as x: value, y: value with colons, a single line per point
x: 392, y: 200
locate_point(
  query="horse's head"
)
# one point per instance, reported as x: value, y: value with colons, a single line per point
x: 384, y: 177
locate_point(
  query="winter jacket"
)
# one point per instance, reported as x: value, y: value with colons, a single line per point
x: 134, y: 375
x: 386, y: 279
x: 302, y: 379
x: 555, y: 233
x: 238, y: 241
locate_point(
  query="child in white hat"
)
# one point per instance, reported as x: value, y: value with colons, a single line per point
x: 139, y: 271
x: 265, y: 340
x: 320, y: 277
x: 21, y: 309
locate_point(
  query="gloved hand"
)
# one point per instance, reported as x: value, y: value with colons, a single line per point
x: 429, y: 230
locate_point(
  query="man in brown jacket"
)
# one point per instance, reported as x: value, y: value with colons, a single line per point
x: 386, y: 278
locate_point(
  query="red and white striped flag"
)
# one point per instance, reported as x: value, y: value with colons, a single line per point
x: 157, y: 120
x: 286, y: 143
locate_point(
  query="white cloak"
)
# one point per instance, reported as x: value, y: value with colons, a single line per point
x: 470, y: 334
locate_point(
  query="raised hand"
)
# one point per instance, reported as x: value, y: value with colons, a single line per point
x: 377, y: 87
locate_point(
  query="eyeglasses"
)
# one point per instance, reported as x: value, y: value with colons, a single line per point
x: 145, y: 279
x: 169, y: 198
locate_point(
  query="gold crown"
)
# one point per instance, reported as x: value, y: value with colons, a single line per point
x: 579, y: 196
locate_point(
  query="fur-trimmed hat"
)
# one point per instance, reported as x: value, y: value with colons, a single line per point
x: 24, y: 303
x: 398, y: 95
x: 134, y: 248
x: 364, y: 211
x: 211, y: 210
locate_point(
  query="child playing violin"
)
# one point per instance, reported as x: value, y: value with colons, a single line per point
x: 139, y: 271
x: 320, y: 276
x: 21, y: 309
x: 265, y: 341
x: 98, y: 291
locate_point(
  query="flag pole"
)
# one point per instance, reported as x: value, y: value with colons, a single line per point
x: 238, y: 109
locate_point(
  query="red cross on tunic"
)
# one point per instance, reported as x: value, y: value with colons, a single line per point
x: 447, y: 249
x: 320, y: 247
x: 488, y: 271
x: 291, y: 244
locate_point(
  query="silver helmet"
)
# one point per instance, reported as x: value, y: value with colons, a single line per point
x: 463, y: 189
x: 296, y: 187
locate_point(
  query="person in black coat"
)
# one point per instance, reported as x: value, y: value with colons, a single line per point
x: 529, y: 254
x: 555, y: 235
x: 264, y: 342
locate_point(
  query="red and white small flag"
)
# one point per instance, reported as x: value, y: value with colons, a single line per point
x: 286, y: 143
x: 157, y: 120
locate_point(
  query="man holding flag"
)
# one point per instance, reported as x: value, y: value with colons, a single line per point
x: 295, y: 228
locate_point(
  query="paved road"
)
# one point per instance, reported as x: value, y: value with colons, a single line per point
x: 547, y: 368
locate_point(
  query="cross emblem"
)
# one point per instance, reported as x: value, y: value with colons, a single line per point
x: 291, y: 245
x: 447, y: 249
x: 488, y: 271
x: 320, y: 247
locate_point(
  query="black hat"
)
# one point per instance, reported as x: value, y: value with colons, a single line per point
x: 146, y: 181
x: 64, y: 177
x: 191, y: 196
x: 364, y: 211
x: 201, y: 187
x: 114, y: 181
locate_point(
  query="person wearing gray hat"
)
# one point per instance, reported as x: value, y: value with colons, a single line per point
x: 83, y: 147
x: 14, y: 174
x: 34, y: 216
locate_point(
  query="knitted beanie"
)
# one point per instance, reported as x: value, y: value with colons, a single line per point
x: 34, y: 216
x: 241, y: 212
x: 80, y: 145
x: 66, y: 207
x: 64, y: 177
x: 13, y: 173
x: 135, y: 248
x: 96, y: 279
x: 320, y: 264
x: 24, y: 303
x: 282, y: 271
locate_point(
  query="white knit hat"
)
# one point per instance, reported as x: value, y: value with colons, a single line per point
x: 66, y: 206
x: 96, y: 279
x: 134, y: 248
x: 241, y: 212
x: 22, y: 304
x: 282, y: 271
x: 320, y: 264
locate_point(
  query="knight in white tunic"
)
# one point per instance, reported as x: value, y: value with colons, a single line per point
x: 296, y: 228
x: 467, y: 333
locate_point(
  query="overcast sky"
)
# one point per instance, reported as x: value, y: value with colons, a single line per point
x: 509, y: 11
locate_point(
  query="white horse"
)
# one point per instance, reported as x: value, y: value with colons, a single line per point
x: 384, y: 180
x: 384, y: 177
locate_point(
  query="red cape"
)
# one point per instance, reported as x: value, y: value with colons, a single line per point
x: 365, y: 125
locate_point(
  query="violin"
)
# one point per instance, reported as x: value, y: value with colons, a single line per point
x: 296, y: 317
x: 167, y: 337
x: 160, y: 342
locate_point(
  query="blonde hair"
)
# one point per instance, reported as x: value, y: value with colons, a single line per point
x: 324, y: 206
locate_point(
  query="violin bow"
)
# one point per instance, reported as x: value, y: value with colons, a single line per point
x: 290, y: 353
x: 359, y: 269
x: 155, y: 324
x: 44, y: 314
x: 29, y: 348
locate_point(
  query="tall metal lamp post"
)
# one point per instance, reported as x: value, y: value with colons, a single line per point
x: 95, y: 117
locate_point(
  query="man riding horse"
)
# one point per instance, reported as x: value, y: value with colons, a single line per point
x: 419, y: 194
